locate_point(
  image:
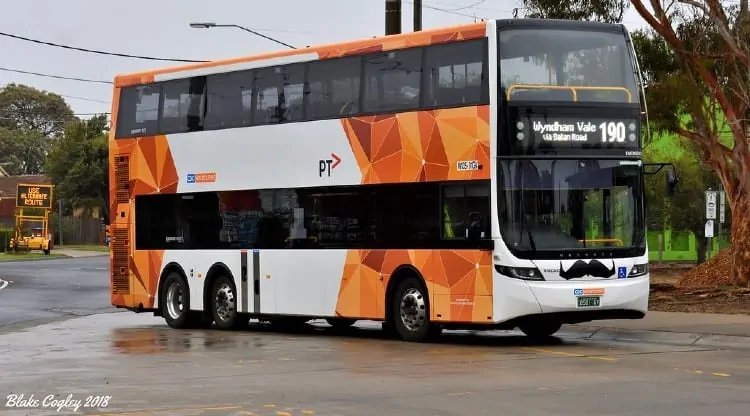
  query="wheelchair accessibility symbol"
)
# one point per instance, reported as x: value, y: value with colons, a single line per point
x: 622, y: 272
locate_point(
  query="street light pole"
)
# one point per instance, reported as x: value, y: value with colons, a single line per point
x: 208, y: 25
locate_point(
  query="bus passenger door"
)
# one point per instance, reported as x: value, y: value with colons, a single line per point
x: 250, y: 284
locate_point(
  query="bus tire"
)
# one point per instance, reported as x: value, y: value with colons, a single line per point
x: 411, y: 311
x: 540, y: 329
x: 341, y: 323
x: 224, y: 304
x: 175, y: 301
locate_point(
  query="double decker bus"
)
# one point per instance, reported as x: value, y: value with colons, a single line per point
x: 483, y: 176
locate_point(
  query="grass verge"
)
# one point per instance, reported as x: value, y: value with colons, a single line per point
x: 28, y: 256
x: 84, y: 247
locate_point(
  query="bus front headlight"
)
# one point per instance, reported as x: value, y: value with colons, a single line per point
x: 523, y: 273
x: 639, y: 270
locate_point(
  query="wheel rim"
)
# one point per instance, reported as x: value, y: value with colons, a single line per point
x: 175, y: 300
x: 225, y: 302
x: 413, y: 310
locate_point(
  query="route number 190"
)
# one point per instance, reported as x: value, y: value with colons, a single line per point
x: 612, y: 132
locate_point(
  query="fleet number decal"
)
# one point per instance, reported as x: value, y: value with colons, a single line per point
x: 464, y: 165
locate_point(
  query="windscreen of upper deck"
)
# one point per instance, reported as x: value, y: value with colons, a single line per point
x: 566, y: 64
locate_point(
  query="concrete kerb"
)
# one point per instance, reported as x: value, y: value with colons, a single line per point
x: 661, y: 337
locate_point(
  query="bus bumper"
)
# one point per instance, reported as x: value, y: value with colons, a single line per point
x: 518, y: 298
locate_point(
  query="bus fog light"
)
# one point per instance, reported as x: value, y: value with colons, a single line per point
x: 523, y: 273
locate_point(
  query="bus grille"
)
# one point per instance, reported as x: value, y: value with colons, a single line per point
x: 120, y: 262
x: 122, y: 179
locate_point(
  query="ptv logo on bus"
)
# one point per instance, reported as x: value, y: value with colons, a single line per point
x: 325, y: 166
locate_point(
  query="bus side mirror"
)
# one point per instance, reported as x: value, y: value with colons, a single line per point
x: 672, y: 181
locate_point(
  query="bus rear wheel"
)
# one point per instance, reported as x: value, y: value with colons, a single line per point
x: 540, y: 329
x: 411, y: 312
x: 224, y: 304
x: 175, y: 302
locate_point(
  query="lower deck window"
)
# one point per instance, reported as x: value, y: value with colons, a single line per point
x: 413, y: 215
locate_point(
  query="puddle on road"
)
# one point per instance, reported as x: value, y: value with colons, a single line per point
x: 108, y: 336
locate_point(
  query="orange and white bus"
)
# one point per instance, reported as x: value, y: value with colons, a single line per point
x: 481, y: 176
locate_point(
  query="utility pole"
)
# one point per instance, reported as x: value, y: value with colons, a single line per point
x: 392, y: 17
x: 417, y: 15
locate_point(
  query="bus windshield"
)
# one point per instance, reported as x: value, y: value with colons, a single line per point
x: 566, y: 65
x: 555, y: 205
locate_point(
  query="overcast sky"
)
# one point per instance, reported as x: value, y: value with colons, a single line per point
x: 160, y: 28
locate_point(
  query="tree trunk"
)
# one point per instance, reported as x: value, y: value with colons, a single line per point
x: 740, y: 205
x: 701, y: 247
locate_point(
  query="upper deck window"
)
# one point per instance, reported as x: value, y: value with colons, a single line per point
x: 138, y: 113
x: 566, y: 65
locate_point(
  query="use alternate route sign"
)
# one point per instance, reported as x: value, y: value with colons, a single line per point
x: 34, y: 196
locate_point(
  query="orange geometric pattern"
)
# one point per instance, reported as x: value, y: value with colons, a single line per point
x: 420, y: 146
x: 151, y: 171
x: 459, y: 283
x: 416, y: 146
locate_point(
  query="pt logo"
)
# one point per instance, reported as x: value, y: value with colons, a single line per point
x: 325, y: 166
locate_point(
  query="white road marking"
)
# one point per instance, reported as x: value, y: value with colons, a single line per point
x: 3, y: 283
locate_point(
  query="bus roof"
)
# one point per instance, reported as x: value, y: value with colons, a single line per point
x: 559, y: 24
x: 390, y: 42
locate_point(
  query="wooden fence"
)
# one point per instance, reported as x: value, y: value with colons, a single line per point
x: 75, y: 230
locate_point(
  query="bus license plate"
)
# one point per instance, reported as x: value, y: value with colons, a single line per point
x: 588, y: 301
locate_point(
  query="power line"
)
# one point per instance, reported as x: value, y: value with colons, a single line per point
x: 475, y: 6
x: 50, y: 121
x: 68, y: 96
x: 39, y: 74
x: 75, y: 48
x: 8, y: 111
x: 469, y: 6
x: 449, y: 11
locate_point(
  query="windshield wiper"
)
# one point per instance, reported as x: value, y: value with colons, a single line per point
x: 531, y: 242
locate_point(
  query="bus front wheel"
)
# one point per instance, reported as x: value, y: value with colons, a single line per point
x: 539, y: 328
x: 340, y: 323
x: 411, y: 312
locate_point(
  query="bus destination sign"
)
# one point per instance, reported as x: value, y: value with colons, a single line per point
x: 540, y: 132
x: 34, y: 196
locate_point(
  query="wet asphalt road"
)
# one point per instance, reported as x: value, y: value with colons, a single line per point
x: 145, y: 368
x: 47, y: 290
x: 141, y: 367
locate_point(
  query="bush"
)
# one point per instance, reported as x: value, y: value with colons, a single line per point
x: 5, y: 235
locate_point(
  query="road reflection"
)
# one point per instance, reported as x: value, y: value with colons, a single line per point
x: 360, y: 340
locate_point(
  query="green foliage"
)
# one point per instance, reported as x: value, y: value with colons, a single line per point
x: 610, y: 11
x: 22, y: 152
x: 5, y: 235
x: 29, y: 121
x: 685, y: 210
x: 78, y: 165
x: 25, y: 108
